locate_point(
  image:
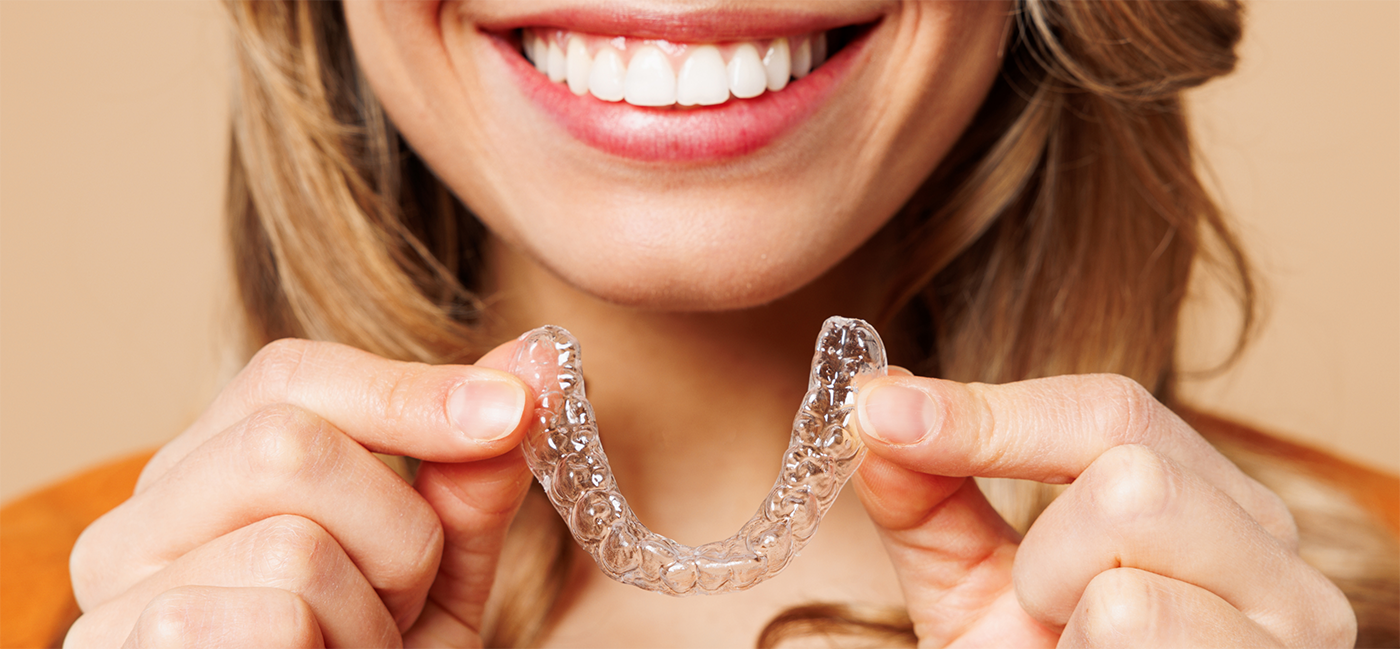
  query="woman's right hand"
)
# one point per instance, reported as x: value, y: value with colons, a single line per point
x: 268, y: 522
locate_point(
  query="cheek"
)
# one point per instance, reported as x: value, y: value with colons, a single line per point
x: 946, y: 60
x: 411, y: 53
x: 398, y: 47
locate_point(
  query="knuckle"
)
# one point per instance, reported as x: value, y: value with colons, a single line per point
x: 1124, y: 409
x: 288, y: 552
x: 1345, y: 627
x: 1342, y: 632
x: 83, y: 565
x: 422, y: 551
x: 195, y: 616
x: 84, y: 632
x: 1274, y: 516
x: 433, y: 540
x: 1334, y: 621
x: 170, y: 619
x: 283, y: 441
x: 1130, y: 483
x: 1119, y: 606
x: 275, y: 366
x: 422, y: 562
x: 95, y: 572
x: 986, y: 447
x: 400, y: 395
x: 292, y: 617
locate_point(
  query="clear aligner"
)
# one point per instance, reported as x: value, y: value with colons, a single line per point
x: 566, y: 456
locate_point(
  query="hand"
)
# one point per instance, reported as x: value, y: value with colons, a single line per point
x: 268, y: 522
x: 1158, y: 541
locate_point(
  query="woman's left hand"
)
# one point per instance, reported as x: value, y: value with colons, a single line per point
x: 1159, y: 540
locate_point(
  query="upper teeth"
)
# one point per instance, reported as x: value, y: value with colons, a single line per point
x: 660, y: 73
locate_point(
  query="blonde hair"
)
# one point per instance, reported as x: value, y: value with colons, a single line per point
x: 1058, y: 236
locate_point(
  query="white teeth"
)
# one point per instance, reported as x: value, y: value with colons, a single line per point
x: 747, y: 78
x: 557, y: 70
x: 778, y: 61
x: 650, y: 81
x: 650, y: 77
x: 607, y: 80
x: 802, y: 59
x: 579, y: 65
x: 540, y: 54
x: 702, y: 79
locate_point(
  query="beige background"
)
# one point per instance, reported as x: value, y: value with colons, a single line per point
x: 112, y: 297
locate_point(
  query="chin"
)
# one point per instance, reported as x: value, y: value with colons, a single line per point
x: 684, y: 282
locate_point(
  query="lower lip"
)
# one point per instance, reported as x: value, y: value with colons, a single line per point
x: 698, y: 134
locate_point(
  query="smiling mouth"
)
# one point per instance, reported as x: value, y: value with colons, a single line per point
x: 660, y: 73
x: 693, y: 88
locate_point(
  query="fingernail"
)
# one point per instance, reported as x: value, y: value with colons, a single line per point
x: 899, y: 414
x: 486, y: 409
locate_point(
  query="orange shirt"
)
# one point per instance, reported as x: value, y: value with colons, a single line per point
x: 37, y: 531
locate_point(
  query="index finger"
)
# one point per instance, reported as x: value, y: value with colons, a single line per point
x: 1047, y: 430
x: 443, y: 413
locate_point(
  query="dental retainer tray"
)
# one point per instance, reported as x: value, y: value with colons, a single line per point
x: 564, y: 453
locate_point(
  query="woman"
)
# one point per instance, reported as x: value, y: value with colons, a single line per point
x: 1007, y: 192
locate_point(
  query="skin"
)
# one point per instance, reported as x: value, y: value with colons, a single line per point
x: 269, y: 521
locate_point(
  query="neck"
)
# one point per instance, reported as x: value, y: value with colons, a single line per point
x: 695, y: 408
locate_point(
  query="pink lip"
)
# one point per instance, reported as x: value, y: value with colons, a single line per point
x: 734, y: 128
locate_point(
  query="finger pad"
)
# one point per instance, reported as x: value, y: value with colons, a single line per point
x: 897, y: 498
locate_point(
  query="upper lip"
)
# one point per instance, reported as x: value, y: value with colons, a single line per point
x: 682, y: 24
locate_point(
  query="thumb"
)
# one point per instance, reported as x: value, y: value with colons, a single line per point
x: 952, y: 551
x: 476, y: 502
x: 946, y: 516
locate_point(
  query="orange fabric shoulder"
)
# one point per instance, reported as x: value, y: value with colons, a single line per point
x: 37, y: 533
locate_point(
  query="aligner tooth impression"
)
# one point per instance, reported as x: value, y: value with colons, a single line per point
x: 564, y: 453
